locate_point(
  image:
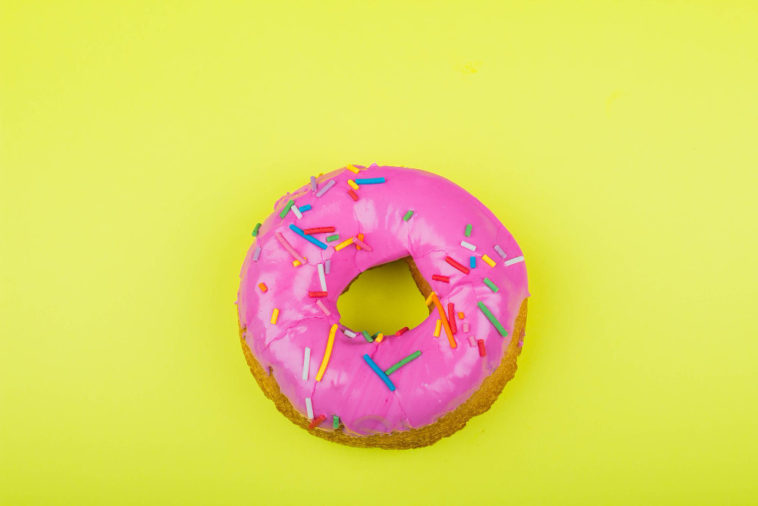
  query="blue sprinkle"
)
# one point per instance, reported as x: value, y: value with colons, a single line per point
x: 379, y: 372
x: 306, y: 207
x: 305, y: 236
x: 472, y: 261
x: 370, y: 180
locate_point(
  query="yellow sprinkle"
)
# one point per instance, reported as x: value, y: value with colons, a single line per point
x: 438, y: 328
x: 275, y: 315
x: 351, y: 168
x: 343, y: 244
x: 353, y: 184
x: 379, y: 338
x: 429, y: 299
x: 489, y: 261
x: 327, y: 352
x: 461, y: 316
x: 296, y: 263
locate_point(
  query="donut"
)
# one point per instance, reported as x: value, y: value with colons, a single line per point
x: 354, y: 386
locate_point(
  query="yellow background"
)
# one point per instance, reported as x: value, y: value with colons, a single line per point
x: 141, y: 141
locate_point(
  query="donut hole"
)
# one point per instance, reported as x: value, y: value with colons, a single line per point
x: 385, y: 298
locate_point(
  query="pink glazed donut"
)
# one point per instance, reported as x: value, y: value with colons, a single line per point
x: 397, y: 391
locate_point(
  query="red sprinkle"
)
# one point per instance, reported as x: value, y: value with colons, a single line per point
x: 353, y: 195
x: 451, y: 318
x: 319, y: 230
x: 316, y: 421
x: 440, y: 277
x: 458, y: 266
x: 401, y: 331
x: 317, y: 295
x: 482, y: 351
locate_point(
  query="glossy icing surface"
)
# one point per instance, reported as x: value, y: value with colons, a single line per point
x: 442, y: 377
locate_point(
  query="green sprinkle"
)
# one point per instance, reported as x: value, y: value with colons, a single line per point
x: 400, y: 364
x: 286, y: 208
x: 468, y: 230
x: 408, y: 215
x: 492, y: 285
x: 256, y: 229
x: 492, y: 318
x: 331, y: 238
x: 367, y: 336
x: 335, y: 422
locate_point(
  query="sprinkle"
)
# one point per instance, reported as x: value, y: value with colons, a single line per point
x: 451, y: 317
x: 362, y: 244
x: 472, y: 261
x: 344, y: 244
x: 401, y: 331
x: 489, y: 261
x: 466, y: 327
x: 297, y: 212
x: 309, y: 408
x: 286, y: 208
x: 306, y: 207
x: 274, y: 316
x: 352, y: 168
x: 482, y: 351
x: 408, y: 215
x: 314, y: 185
x: 457, y: 265
x: 256, y: 253
x: 490, y: 284
x: 256, y: 230
x: 325, y: 188
x: 514, y: 261
x: 370, y: 180
x: 323, y: 308
x: 327, y: 266
x: 439, y: 277
x: 353, y: 195
x: 352, y: 184
x: 438, y: 328
x: 379, y: 338
x: 429, y: 299
x: 306, y: 363
x: 296, y: 263
x: 468, y: 245
x: 349, y: 333
x: 445, y: 323
x: 321, y: 277
x: 499, y: 250
x: 379, y: 372
x: 318, y: 230
x: 467, y: 233
x: 461, y: 315
x: 492, y: 318
x: 330, y: 238
x: 471, y: 341
x: 316, y: 421
x: 367, y: 336
x: 404, y: 361
x: 317, y: 295
x: 263, y: 287
x: 286, y: 245
x: 360, y: 237
x: 335, y: 422
x: 308, y: 238
x: 327, y: 352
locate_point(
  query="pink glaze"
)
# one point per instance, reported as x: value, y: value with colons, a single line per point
x: 442, y: 377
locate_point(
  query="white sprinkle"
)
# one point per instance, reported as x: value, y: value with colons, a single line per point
x: 514, y: 261
x: 297, y: 212
x: 306, y: 363
x: 325, y: 188
x: 256, y: 253
x: 349, y: 333
x: 499, y: 250
x: 323, y: 308
x: 465, y: 327
x: 468, y: 245
x: 471, y: 341
x: 309, y: 408
x: 321, y: 277
x: 313, y: 184
x: 328, y: 266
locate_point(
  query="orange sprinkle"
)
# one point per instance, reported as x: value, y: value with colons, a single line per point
x: 445, y: 323
x: 461, y: 316
x: 360, y: 238
x: 263, y: 287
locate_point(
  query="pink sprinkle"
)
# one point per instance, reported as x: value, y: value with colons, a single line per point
x: 323, y: 308
x: 362, y: 244
x: 286, y: 245
x: 465, y: 327
x: 471, y: 341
